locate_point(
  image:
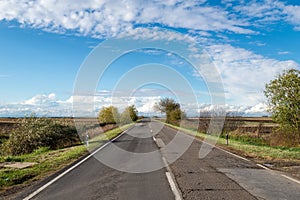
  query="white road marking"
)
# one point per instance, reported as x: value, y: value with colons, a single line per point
x: 232, y: 154
x: 262, y: 166
x: 154, y: 138
x: 290, y: 178
x: 195, y: 137
x: 173, y: 186
x: 169, y: 174
x: 214, y: 146
x: 70, y: 169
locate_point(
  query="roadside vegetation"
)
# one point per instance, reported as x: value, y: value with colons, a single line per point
x: 276, y: 138
x: 111, y: 115
x: 32, y: 133
x: 282, y: 131
x: 47, y: 160
x: 52, y: 144
x: 250, y: 149
x: 283, y: 94
x: 172, y: 110
x: 274, y: 142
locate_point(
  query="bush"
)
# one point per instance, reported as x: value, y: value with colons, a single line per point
x: 109, y: 115
x: 129, y: 115
x: 285, y: 139
x: 33, y: 133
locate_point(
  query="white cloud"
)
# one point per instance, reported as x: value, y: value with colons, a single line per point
x: 110, y: 18
x: 261, y: 11
x: 245, y: 73
x: 258, y: 108
x: 264, y: 12
x: 104, y: 18
x: 41, y: 105
x: 283, y: 52
x: 49, y: 105
x: 41, y: 99
x: 293, y: 15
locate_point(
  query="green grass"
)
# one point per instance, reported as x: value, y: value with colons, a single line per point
x: 49, y: 161
x: 96, y: 141
x: 251, y: 150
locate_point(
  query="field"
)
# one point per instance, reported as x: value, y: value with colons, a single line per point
x: 260, y: 125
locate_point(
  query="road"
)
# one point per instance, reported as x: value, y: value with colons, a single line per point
x: 222, y: 175
x: 94, y: 180
x: 219, y: 175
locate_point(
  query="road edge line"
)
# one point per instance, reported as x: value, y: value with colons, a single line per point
x: 260, y: 165
x: 264, y: 167
x: 170, y: 176
x: 173, y: 186
x: 290, y: 178
x: 233, y: 154
x: 214, y: 146
x: 40, y: 189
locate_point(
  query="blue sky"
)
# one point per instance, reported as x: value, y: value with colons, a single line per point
x: 44, y: 43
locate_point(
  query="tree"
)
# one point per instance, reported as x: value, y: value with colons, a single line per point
x: 109, y: 115
x: 283, y: 95
x: 172, y: 109
x: 129, y: 114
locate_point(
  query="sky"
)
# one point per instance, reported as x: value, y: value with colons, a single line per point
x: 44, y: 45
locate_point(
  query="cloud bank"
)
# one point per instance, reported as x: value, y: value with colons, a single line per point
x: 49, y: 105
x: 106, y: 18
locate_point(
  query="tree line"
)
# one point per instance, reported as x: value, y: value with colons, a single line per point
x: 111, y: 115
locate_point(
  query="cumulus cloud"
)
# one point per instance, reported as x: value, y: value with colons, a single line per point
x: 49, y: 105
x: 259, y: 109
x: 244, y: 73
x: 41, y: 99
x: 293, y: 15
x: 41, y: 105
x: 104, y: 18
x: 109, y: 18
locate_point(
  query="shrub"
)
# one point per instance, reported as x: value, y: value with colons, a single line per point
x: 109, y: 115
x: 33, y: 133
x: 129, y: 115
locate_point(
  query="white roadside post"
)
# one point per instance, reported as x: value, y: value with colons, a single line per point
x: 87, y: 139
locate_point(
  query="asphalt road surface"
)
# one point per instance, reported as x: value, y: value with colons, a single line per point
x: 94, y: 180
x: 219, y: 175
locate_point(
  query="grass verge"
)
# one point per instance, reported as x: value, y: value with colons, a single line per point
x: 48, y: 161
x: 251, y: 150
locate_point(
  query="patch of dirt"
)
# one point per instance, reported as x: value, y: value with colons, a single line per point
x: 17, y: 165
